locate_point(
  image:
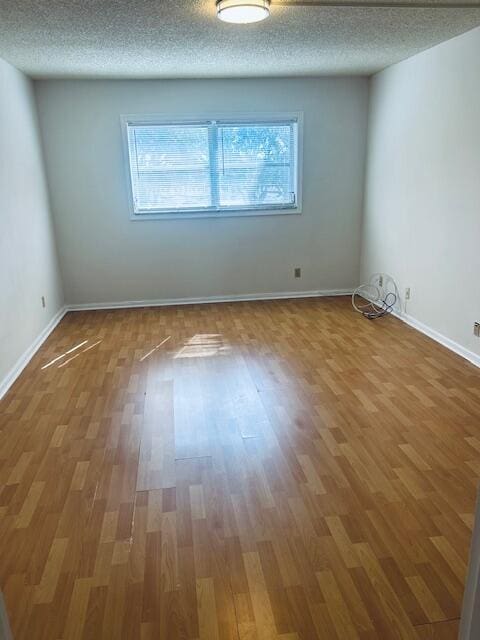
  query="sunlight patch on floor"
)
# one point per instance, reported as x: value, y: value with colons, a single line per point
x: 203, y: 345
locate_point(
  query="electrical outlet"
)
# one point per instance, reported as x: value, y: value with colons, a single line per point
x: 476, y: 329
x: 380, y: 281
x: 44, y: 304
x: 407, y: 293
x: 297, y: 272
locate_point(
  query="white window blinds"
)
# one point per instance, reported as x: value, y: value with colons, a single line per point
x: 212, y: 166
x: 255, y: 165
x: 169, y: 166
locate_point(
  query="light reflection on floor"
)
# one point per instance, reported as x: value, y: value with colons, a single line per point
x: 154, y: 349
x: 203, y: 345
x: 49, y: 364
x: 65, y: 362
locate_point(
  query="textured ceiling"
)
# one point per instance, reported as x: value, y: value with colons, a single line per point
x: 167, y: 39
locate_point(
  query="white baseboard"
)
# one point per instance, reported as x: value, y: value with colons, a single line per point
x: 167, y: 302
x: 438, y: 337
x: 433, y: 334
x: 25, y: 358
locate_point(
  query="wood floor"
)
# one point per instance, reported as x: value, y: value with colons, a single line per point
x: 243, y: 471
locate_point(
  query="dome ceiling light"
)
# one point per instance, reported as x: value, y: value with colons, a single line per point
x: 243, y: 11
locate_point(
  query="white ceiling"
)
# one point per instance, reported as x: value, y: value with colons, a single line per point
x: 183, y: 38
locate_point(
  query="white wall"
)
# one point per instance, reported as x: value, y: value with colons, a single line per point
x: 422, y: 200
x: 28, y: 261
x: 105, y: 257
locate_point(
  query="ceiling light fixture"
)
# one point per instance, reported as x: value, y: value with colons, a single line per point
x: 243, y: 11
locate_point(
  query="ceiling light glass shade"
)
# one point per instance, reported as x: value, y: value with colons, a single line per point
x: 243, y: 11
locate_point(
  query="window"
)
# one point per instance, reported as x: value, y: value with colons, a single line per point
x: 213, y: 167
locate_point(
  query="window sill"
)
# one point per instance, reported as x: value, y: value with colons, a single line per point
x: 188, y: 215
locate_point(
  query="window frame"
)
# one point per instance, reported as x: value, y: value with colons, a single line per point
x: 220, y: 119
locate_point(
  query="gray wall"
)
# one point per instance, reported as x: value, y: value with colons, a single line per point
x: 105, y: 257
x: 422, y: 202
x: 28, y: 261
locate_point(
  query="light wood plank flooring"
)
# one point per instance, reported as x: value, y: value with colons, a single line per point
x: 248, y: 471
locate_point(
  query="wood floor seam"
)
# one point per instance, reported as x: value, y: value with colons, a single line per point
x: 425, y: 624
